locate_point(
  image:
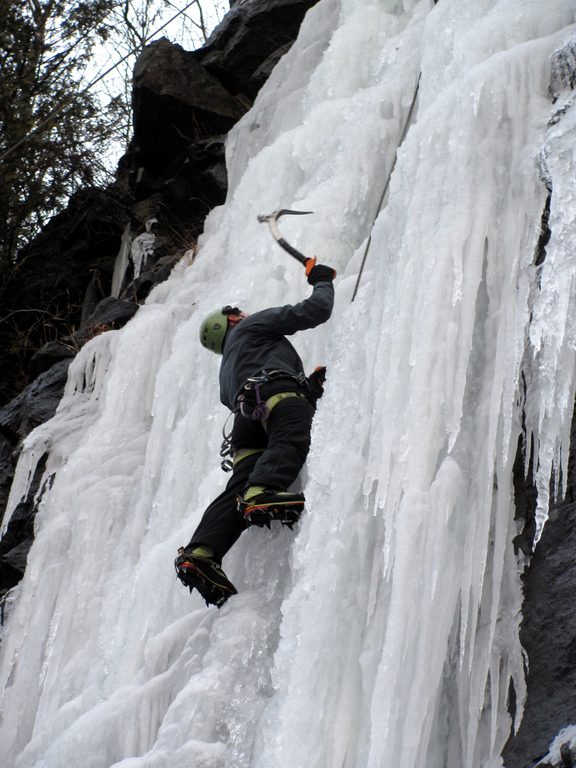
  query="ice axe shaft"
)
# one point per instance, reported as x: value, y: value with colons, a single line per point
x: 272, y: 220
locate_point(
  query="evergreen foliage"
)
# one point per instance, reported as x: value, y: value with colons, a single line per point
x: 65, y: 119
x: 51, y: 130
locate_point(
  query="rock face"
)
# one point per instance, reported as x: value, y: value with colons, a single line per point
x: 548, y: 631
x: 549, y: 638
x: 181, y: 117
x: 172, y: 176
x: 32, y: 407
x: 249, y: 42
x: 43, y: 299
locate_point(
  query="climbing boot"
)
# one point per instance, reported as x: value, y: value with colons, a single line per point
x: 197, y: 569
x: 260, y: 506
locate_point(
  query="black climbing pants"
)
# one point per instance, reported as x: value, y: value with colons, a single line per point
x: 280, y: 449
x: 222, y: 524
x: 284, y: 438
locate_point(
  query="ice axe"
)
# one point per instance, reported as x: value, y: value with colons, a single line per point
x: 272, y: 220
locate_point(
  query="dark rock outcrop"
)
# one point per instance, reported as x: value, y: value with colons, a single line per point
x: 181, y: 113
x: 19, y: 536
x: 109, y: 314
x: 548, y: 630
x: 42, y: 299
x: 251, y: 39
x: 185, y: 102
x: 548, y: 636
x: 35, y: 405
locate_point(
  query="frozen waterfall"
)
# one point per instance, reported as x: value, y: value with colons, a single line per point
x: 384, y: 632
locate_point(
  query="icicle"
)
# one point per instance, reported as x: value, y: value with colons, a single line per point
x: 121, y: 262
x: 143, y: 247
x: 552, y: 370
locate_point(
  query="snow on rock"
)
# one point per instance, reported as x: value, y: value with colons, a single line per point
x: 385, y: 633
x: 142, y: 247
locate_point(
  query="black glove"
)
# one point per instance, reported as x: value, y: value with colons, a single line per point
x: 316, y: 381
x: 320, y: 273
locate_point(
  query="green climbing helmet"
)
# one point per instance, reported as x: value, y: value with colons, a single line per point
x: 213, y: 330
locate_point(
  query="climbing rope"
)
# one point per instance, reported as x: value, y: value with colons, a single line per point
x: 386, y: 185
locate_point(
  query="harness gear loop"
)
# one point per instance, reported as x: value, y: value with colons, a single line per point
x: 226, y: 451
x: 256, y: 412
x: 250, y: 402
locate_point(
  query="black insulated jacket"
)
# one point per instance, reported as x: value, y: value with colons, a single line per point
x: 257, y: 343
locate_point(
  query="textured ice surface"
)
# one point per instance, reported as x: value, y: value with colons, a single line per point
x: 384, y: 634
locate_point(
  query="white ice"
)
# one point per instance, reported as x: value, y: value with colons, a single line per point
x: 384, y: 634
x: 121, y: 262
x: 142, y: 247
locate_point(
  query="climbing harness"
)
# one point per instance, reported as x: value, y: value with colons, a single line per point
x: 226, y: 452
x: 253, y: 405
x: 271, y: 219
x: 244, y: 453
x: 386, y: 185
x: 250, y: 402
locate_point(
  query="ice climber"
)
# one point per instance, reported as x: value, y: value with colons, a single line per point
x: 262, y: 381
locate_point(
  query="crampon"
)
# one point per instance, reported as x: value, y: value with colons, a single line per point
x: 204, y: 575
x: 267, y: 507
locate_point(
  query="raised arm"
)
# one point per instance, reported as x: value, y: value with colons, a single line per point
x: 313, y: 311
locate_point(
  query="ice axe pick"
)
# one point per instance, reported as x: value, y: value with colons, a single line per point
x: 272, y: 220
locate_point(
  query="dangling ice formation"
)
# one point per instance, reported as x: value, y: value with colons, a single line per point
x: 386, y: 634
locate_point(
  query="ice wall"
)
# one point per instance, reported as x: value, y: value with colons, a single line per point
x: 383, y: 634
